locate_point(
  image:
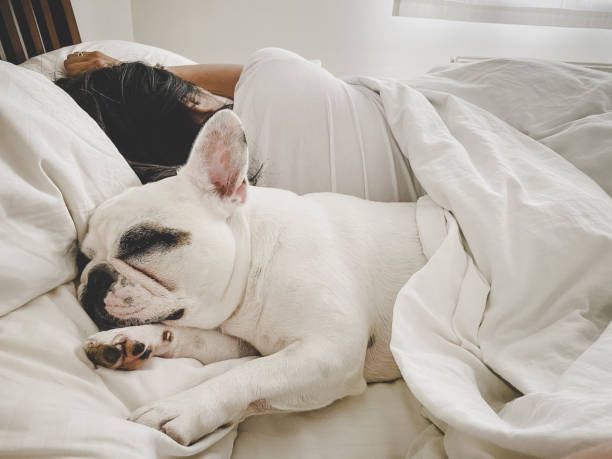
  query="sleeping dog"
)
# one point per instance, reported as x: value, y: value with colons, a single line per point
x: 200, y: 265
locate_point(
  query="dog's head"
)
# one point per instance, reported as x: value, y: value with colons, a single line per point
x: 169, y: 250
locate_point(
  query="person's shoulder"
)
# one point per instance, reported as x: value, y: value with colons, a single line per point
x: 266, y: 67
x: 266, y: 54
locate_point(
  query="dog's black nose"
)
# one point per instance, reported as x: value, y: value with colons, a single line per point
x: 99, y: 281
x: 82, y: 261
x: 101, y: 277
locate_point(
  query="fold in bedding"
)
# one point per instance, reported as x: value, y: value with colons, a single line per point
x: 503, y: 335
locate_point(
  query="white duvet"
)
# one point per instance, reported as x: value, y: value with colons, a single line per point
x: 501, y: 337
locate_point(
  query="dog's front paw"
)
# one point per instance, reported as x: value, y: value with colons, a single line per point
x: 127, y: 348
x: 186, y: 417
x: 117, y: 351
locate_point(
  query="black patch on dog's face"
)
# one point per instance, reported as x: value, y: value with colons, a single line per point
x: 99, y: 280
x: 138, y: 241
x: 145, y: 238
x: 82, y: 261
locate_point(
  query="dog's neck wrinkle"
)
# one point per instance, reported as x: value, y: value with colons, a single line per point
x: 265, y: 239
x: 234, y: 292
x: 247, y: 314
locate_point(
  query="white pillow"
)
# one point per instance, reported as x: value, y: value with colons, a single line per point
x: 56, y: 166
x: 51, y: 64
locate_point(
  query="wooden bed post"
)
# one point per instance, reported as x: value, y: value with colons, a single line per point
x: 32, y: 27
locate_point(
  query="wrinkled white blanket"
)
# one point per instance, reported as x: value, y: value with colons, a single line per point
x: 503, y: 335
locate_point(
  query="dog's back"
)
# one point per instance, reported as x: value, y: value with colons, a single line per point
x: 334, y: 254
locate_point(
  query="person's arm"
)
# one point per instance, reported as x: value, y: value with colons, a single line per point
x: 219, y: 79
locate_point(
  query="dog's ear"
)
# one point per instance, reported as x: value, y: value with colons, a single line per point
x: 218, y: 161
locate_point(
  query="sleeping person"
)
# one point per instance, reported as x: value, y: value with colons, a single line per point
x: 310, y: 131
x: 307, y: 130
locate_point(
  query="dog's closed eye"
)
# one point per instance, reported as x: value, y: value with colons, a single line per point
x: 151, y: 276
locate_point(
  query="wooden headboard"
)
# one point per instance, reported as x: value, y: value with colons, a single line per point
x: 32, y: 27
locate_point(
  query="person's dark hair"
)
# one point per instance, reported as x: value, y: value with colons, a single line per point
x: 148, y: 172
x: 141, y: 108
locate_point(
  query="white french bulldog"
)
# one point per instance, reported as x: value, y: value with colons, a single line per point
x: 200, y: 265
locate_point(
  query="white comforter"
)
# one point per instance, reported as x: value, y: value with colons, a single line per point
x: 503, y: 335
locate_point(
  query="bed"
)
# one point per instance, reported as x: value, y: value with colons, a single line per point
x: 506, y: 357
x: 57, y: 166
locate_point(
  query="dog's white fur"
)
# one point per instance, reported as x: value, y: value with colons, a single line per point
x: 309, y: 281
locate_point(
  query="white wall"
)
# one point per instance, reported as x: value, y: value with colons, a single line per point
x: 349, y: 36
x: 104, y: 19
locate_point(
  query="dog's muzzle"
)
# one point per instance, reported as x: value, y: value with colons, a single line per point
x: 100, y: 282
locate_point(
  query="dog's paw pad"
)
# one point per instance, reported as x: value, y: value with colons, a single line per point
x: 168, y: 336
x: 123, y: 353
x: 110, y: 354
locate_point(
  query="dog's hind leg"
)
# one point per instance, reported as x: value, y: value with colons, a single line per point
x: 129, y: 348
